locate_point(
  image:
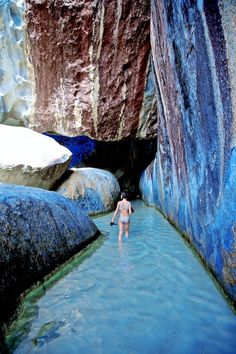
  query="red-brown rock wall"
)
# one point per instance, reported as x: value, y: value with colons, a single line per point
x: 90, y: 62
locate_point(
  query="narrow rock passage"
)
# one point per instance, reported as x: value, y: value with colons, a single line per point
x: 146, y: 295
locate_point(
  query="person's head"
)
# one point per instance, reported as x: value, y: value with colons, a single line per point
x: 123, y: 195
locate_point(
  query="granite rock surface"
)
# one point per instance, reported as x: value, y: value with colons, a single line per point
x: 39, y: 231
x: 125, y: 159
x: 78, y: 67
x: 16, y: 71
x: 31, y: 159
x: 94, y: 190
x: 191, y: 179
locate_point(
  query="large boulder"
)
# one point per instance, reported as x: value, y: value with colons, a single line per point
x: 192, y: 180
x: 39, y: 231
x: 92, y: 189
x: 126, y: 159
x: 89, y: 72
x: 31, y: 159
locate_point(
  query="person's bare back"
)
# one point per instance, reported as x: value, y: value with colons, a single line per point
x: 125, y: 209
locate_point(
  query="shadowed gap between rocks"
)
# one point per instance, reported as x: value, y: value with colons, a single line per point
x: 126, y: 159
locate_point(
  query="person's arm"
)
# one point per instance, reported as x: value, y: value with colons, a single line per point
x: 115, y: 212
x: 130, y: 208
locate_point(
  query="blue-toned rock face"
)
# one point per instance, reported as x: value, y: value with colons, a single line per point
x: 92, y: 189
x: 80, y: 146
x: 39, y: 231
x: 193, y: 177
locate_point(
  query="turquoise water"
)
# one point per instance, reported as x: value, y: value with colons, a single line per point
x: 146, y: 295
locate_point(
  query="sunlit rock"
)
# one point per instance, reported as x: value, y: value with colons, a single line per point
x: 16, y: 72
x: 88, y: 72
x: 92, y: 63
x: 39, y: 231
x: 29, y: 158
x: 192, y: 180
x: 94, y: 190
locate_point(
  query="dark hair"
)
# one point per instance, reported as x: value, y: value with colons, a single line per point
x: 123, y: 195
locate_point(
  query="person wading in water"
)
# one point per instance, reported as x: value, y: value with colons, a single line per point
x: 125, y: 209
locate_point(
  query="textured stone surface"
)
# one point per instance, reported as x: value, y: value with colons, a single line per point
x: 228, y: 20
x: 39, y: 230
x: 191, y: 180
x: 147, y: 183
x: 94, y: 190
x: 80, y: 146
x: 77, y: 67
x: 92, y: 65
x: 126, y: 159
x: 29, y: 158
x: 16, y: 75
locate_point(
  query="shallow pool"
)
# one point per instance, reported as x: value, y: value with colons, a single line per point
x: 148, y: 294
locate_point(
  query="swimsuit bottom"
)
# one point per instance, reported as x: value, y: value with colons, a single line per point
x: 124, y: 219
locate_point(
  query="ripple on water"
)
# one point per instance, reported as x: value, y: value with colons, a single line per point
x: 148, y: 294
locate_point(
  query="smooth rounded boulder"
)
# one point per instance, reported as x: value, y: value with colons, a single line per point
x: 39, y: 230
x: 94, y: 190
x: 31, y: 159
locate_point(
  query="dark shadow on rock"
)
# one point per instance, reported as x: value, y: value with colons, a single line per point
x: 126, y: 159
